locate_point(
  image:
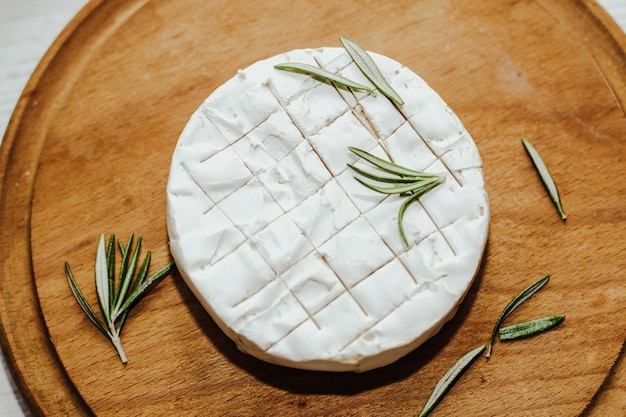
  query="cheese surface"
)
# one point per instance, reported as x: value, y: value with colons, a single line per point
x: 296, y: 261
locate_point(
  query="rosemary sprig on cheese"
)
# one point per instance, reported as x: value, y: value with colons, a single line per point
x: 363, y: 61
x: 115, y: 303
x: 323, y: 75
x: 545, y: 176
x: 369, y: 68
x: 530, y: 328
x: 406, y: 183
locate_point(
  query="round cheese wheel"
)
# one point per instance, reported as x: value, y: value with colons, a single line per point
x: 296, y: 261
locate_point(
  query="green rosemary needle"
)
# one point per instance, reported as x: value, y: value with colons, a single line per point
x: 116, y: 303
x: 369, y: 68
x: 530, y: 328
x: 450, y: 377
x: 545, y: 176
x: 512, y: 305
x: 407, y: 182
x: 323, y: 75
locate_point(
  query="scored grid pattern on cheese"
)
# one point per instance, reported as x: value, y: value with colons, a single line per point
x: 252, y: 160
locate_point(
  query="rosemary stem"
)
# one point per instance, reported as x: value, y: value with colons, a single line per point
x: 115, y: 314
x: 117, y: 343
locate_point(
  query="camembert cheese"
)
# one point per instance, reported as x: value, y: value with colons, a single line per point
x: 296, y: 261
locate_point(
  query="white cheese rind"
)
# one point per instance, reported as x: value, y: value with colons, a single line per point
x: 296, y: 261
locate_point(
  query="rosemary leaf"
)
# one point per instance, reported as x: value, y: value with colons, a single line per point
x: 110, y: 255
x: 415, y: 186
x: 141, y: 275
x: 128, y: 277
x: 512, y: 305
x: 323, y: 75
x: 545, y: 176
x: 448, y: 380
x: 384, y: 165
x: 140, y: 287
x: 102, y: 278
x: 143, y: 271
x: 82, y: 302
x: 530, y: 328
x: 124, y: 263
x: 146, y: 286
x: 379, y: 178
x: 406, y: 205
x: 367, y: 65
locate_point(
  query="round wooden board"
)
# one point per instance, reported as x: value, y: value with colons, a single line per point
x: 88, y: 151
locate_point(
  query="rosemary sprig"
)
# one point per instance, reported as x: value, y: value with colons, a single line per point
x: 450, y: 377
x: 323, y: 75
x: 516, y: 331
x: 367, y: 65
x: 116, y: 303
x: 407, y: 182
x: 545, y: 176
x: 512, y: 305
x: 362, y: 60
x: 530, y: 328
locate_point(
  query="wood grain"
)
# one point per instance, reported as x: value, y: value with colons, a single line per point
x: 88, y: 152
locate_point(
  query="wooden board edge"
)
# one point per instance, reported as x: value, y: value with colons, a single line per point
x: 610, y: 399
x: 593, y: 30
x: 611, y: 60
x: 610, y: 54
x: 606, y: 21
x: 30, y: 354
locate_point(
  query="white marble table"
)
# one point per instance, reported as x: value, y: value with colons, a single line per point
x: 27, y: 28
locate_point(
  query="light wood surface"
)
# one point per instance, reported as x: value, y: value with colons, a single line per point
x: 88, y: 152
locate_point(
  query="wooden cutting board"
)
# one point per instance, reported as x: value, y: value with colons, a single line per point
x: 88, y: 151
